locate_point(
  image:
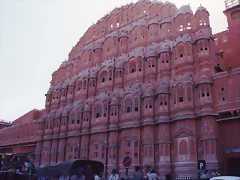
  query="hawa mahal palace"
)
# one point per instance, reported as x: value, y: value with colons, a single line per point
x: 148, y: 80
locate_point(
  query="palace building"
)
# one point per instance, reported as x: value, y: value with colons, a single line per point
x: 150, y: 81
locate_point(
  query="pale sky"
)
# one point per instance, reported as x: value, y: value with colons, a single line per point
x: 37, y: 35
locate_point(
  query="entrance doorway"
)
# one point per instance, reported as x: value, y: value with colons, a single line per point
x: 233, y: 166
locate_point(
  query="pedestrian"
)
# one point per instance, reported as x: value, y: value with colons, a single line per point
x: 137, y: 175
x: 114, y: 175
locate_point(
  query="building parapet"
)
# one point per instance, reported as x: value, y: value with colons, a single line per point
x: 231, y: 3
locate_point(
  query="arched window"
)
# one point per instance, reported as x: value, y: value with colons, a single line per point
x: 98, y: 111
x: 110, y: 75
x: 85, y: 84
x: 128, y: 105
x: 105, y: 110
x: 140, y: 66
x: 78, y: 117
x: 120, y: 73
x: 136, y: 103
x: 180, y: 50
x: 72, y: 118
x: 189, y: 93
x: 180, y: 94
x: 79, y: 85
x: 103, y: 76
x: 132, y: 67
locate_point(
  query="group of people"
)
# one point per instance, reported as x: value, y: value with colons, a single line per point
x: 16, y: 166
x: 138, y: 175
x: 75, y: 174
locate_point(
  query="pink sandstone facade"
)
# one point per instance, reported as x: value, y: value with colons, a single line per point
x: 150, y: 81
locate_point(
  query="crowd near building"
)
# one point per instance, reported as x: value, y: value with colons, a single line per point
x: 150, y: 81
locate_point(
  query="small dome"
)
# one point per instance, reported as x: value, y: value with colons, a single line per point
x: 121, y: 61
x: 166, y: 20
x: 108, y: 63
x: 83, y: 73
x: 114, y: 101
x: 50, y: 90
x: 153, y: 21
x: 59, y: 112
x: 103, y: 97
x: 183, y: 10
x: 151, y: 53
x: 201, y: 8
x: 138, y: 24
x: 163, y: 88
x: 204, y: 80
x: 87, y: 108
x: 65, y: 84
x: 156, y: 2
x: 133, y: 89
x: 78, y: 104
x: 64, y: 64
x: 124, y: 33
x: 71, y: 82
x: 184, y: 38
x: 98, y: 44
x: 183, y: 79
x: 88, y: 47
x: 120, y: 65
x: 152, y: 50
x: 168, y: 3
x: 149, y: 90
x: 166, y: 46
x: 94, y: 71
x: 66, y: 110
x: 203, y: 34
x: 58, y: 86
x: 112, y: 35
x: 138, y: 52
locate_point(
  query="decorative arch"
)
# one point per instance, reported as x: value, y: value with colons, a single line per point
x: 97, y: 109
x: 103, y: 76
x: 72, y: 117
x: 128, y: 105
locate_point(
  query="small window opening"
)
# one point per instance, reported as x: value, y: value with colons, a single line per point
x: 97, y: 115
x: 103, y: 79
x: 181, y: 55
x: 128, y: 110
x: 222, y: 89
x: 180, y: 99
x: 218, y: 69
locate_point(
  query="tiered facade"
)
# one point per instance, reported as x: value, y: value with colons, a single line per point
x: 148, y: 81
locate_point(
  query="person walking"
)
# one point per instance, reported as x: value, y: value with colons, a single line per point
x: 137, y: 175
x: 114, y: 175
